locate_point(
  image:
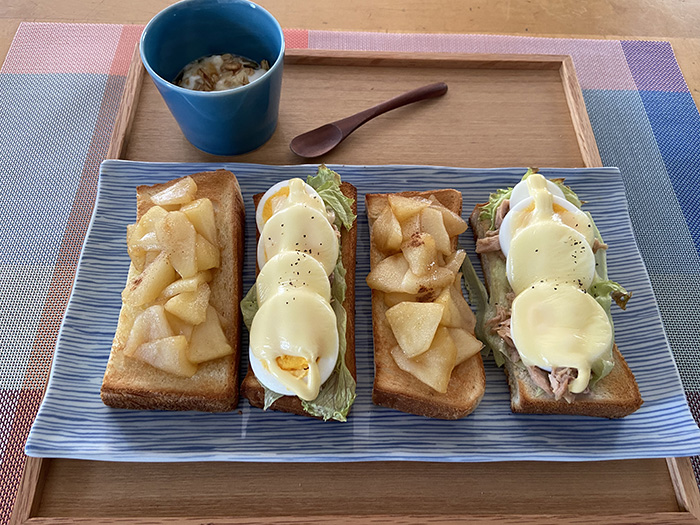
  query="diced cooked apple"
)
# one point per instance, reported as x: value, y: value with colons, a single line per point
x: 146, y: 286
x: 179, y: 326
x: 410, y: 227
x: 149, y: 325
x: 190, y: 306
x: 433, y: 367
x: 432, y: 223
x: 136, y: 253
x: 451, y: 316
x: 453, y: 262
x: 420, y: 253
x: 201, y: 215
x: 428, y: 284
x: 150, y: 257
x: 208, y: 339
x: 168, y: 354
x: 405, y: 207
x: 454, y: 224
x: 148, y: 222
x: 386, y: 232
x: 207, y: 254
x: 467, y: 345
x: 182, y: 192
x: 186, y: 285
x: 394, y: 298
x: 414, y: 325
x: 468, y: 317
x: 178, y: 237
x: 389, y: 274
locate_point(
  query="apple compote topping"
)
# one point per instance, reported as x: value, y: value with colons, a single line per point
x: 174, y: 252
x: 219, y: 72
x: 421, y: 287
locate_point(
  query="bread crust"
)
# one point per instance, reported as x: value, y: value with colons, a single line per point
x: 395, y: 388
x: 251, y: 387
x: 615, y: 396
x: 129, y: 383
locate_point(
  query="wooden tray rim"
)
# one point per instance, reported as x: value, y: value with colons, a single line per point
x: 680, y: 469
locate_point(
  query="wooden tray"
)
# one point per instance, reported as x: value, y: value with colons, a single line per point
x: 500, y: 110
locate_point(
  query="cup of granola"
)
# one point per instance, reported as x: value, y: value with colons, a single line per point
x: 218, y: 66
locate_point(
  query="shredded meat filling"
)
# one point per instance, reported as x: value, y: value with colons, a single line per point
x: 489, y: 243
x: 559, y: 379
x: 501, y: 212
x: 539, y: 377
x: 597, y: 245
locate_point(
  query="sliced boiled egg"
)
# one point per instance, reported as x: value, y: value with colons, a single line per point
x: 521, y: 191
x: 294, y: 343
x: 292, y: 269
x: 283, y: 194
x: 301, y: 228
x: 549, y: 250
x: 522, y: 214
x: 560, y: 326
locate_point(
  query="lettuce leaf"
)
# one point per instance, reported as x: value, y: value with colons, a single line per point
x: 479, y: 300
x: 249, y: 306
x: 337, y: 394
x: 488, y: 211
x: 327, y: 183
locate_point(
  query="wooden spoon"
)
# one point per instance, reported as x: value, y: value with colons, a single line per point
x: 321, y: 140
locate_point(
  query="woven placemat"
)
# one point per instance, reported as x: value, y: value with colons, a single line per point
x: 60, y: 88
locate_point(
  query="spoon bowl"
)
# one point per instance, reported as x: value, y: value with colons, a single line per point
x: 317, y: 142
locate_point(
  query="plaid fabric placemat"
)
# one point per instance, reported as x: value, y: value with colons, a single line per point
x: 60, y: 88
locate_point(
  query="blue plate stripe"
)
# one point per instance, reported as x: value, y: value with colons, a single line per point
x: 72, y: 421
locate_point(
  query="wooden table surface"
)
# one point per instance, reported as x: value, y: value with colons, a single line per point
x: 677, y: 21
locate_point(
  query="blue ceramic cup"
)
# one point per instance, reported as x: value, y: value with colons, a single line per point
x: 227, y: 122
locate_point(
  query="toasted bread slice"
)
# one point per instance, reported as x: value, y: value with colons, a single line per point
x: 129, y: 383
x: 251, y: 387
x: 615, y: 396
x: 395, y: 388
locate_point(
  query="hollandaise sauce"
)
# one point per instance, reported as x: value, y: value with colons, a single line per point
x: 294, y: 338
x: 550, y: 265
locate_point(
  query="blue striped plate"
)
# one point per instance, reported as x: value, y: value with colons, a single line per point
x: 73, y: 422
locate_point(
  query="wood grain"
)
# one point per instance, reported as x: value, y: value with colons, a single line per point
x: 579, y: 116
x: 157, y: 490
x: 463, y: 128
x: 685, y: 485
x: 30, y: 490
x: 127, y: 108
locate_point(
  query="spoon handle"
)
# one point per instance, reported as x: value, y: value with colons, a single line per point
x: 351, y: 123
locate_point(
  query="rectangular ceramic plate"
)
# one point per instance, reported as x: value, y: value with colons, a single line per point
x: 73, y: 422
